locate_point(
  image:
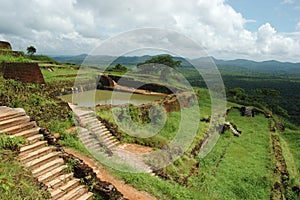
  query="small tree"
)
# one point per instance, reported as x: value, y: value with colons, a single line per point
x: 31, y: 50
x: 153, y: 65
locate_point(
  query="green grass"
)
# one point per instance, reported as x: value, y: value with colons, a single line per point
x: 159, y: 188
x: 291, y: 145
x: 71, y: 140
x: 37, y: 100
x: 41, y: 58
x: 16, y: 182
x: 9, y: 58
x: 59, y: 74
x: 244, y: 171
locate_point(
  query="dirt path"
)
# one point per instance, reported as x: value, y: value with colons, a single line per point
x: 127, y: 190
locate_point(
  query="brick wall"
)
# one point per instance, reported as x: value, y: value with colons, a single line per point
x: 25, y: 72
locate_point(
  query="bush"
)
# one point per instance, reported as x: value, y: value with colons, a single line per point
x: 11, y: 143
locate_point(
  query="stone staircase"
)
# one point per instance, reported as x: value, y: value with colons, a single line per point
x: 42, y: 160
x: 93, y: 134
x: 233, y: 130
x: 97, y: 138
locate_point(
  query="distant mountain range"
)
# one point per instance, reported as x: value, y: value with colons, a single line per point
x: 238, y: 64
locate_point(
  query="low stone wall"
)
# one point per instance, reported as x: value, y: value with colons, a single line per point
x: 171, y: 103
x: 130, y: 82
x: 25, y: 72
x: 252, y: 113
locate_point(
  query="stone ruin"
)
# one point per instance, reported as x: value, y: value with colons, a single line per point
x: 106, y: 82
x: 5, y: 46
x: 247, y: 111
x: 25, y: 72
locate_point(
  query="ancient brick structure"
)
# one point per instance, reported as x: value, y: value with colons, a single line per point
x: 247, y: 111
x: 5, y: 46
x: 25, y: 72
x: 106, y: 81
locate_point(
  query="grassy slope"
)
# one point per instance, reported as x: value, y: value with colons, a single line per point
x: 16, y: 182
x: 290, y: 140
x: 244, y: 170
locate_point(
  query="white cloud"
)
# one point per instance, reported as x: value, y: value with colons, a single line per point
x: 76, y: 26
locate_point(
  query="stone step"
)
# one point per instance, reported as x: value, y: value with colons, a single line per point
x: 91, y: 122
x: 86, y: 196
x: 86, y: 135
x: 34, y: 138
x: 4, y: 108
x: 41, y: 160
x: 97, y: 124
x: 94, y: 146
x: 32, y: 147
x: 86, y: 114
x: 63, y: 190
x: 98, y: 128
x: 51, y: 175
x: 27, y: 157
x: 28, y: 133
x: 111, y: 141
x: 83, y: 132
x: 75, y: 193
x: 87, y: 118
x: 59, y: 181
x: 14, y: 121
x: 18, y: 128
x: 11, y: 113
x: 91, y: 144
x: 103, y: 134
x: 107, y: 138
x: 88, y: 140
x: 113, y: 145
x: 48, y: 166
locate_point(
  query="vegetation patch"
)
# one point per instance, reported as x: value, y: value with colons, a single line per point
x: 15, y: 181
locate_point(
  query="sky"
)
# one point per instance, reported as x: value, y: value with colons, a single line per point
x: 226, y: 29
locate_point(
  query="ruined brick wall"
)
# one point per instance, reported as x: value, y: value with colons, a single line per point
x: 25, y: 72
x: 106, y: 81
x: 5, y: 46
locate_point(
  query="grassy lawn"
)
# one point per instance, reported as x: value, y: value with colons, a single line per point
x: 59, y: 74
x: 239, y: 167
